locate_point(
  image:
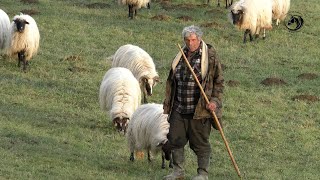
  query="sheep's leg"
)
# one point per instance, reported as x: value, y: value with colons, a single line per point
x: 149, y: 156
x: 132, y: 157
x: 148, y: 6
x: 163, y: 164
x: 264, y: 34
x: 170, y: 162
x: 130, y: 11
x: 247, y: 31
x: 22, y: 58
x: 226, y: 4
x: 218, y: 3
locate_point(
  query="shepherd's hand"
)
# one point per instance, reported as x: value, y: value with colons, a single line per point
x: 211, y: 106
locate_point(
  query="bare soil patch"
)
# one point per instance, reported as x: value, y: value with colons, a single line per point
x: 305, y: 97
x: 185, y: 18
x: 233, y: 83
x: 98, y: 6
x: 30, y: 1
x: 73, y: 58
x: 161, y: 17
x: 30, y: 11
x: 273, y: 81
x: 308, y: 76
x: 211, y: 25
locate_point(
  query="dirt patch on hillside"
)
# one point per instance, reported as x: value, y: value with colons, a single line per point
x: 166, y: 5
x: 304, y: 97
x: 211, y: 25
x: 98, y: 6
x: 233, y: 83
x: 30, y: 1
x: 308, y: 76
x: 185, y: 18
x: 161, y: 17
x: 273, y: 81
x: 30, y: 11
x: 73, y: 58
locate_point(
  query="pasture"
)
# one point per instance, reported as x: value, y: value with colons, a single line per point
x: 51, y: 125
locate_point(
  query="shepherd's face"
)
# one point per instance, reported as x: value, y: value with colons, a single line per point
x: 192, y: 42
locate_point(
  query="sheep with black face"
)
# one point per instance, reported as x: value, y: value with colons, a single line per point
x: 24, y: 39
x: 140, y: 63
x: 119, y: 96
x: 252, y: 16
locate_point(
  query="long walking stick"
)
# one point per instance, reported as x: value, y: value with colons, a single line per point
x: 212, y: 113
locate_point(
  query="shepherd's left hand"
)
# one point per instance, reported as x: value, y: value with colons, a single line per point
x: 211, y: 107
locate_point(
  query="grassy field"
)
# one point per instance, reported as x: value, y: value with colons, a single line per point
x: 51, y: 126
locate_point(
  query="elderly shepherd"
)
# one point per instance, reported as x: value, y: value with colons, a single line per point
x: 189, y: 114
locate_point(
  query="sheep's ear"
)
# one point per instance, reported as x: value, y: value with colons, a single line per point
x: 157, y: 79
x: 27, y: 22
x: 143, y: 79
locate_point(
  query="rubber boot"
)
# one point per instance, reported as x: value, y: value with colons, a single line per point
x: 178, y: 171
x: 203, y: 166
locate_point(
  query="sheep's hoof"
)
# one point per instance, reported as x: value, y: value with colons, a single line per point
x: 163, y: 166
x: 170, y: 166
x: 131, y: 158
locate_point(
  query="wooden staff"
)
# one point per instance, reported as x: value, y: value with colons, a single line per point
x: 212, y: 112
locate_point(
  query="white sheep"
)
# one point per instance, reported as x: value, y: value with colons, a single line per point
x: 251, y: 16
x: 119, y: 96
x: 134, y: 5
x: 4, y: 30
x: 280, y: 9
x: 140, y: 63
x: 147, y: 130
x: 24, y: 39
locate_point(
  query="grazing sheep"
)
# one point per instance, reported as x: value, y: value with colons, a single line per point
x: 24, y: 39
x: 4, y: 30
x: 120, y: 96
x: 140, y: 64
x: 134, y: 5
x: 280, y: 9
x: 147, y: 130
x: 251, y: 16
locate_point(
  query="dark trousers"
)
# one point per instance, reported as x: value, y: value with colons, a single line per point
x: 184, y: 128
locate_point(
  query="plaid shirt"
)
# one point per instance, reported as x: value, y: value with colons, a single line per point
x: 188, y: 92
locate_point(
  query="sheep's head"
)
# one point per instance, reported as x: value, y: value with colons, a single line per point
x: 148, y: 84
x: 237, y: 16
x: 20, y: 24
x: 121, y: 124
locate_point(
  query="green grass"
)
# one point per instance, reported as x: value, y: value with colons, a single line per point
x: 51, y: 126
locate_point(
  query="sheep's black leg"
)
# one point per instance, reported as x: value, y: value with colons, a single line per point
x: 130, y: 11
x: 132, y: 157
x: 148, y: 6
x: 22, y: 58
x: 218, y: 3
x: 163, y: 164
x: 245, y: 36
x: 226, y: 4
x: 170, y: 162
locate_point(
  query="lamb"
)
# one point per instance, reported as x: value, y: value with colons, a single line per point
x: 280, y: 9
x: 134, y: 5
x: 24, y: 39
x: 4, y: 30
x: 120, y: 96
x: 148, y: 130
x: 251, y: 16
x: 141, y: 65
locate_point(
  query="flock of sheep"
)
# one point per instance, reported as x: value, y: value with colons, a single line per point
x: 133, y: 75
